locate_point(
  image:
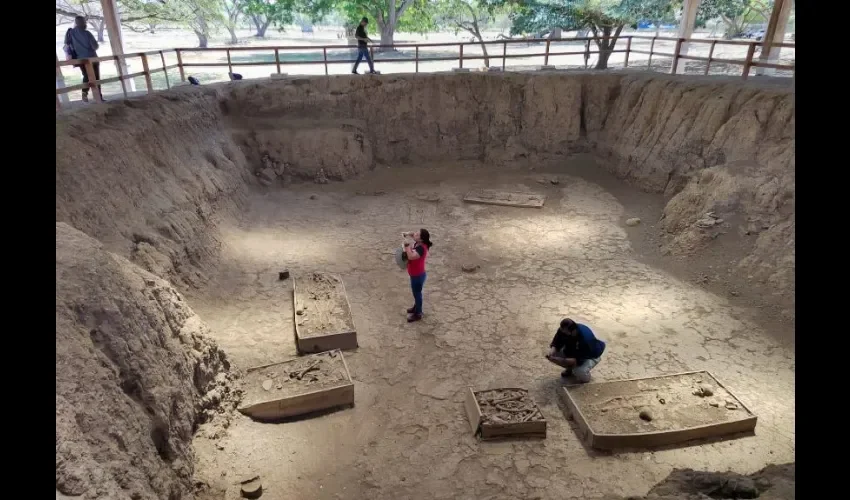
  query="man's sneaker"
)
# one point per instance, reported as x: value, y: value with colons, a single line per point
x: 355, y: 73
x: 414, y: 317
x: 411, y: 310
x: 85, y: 98
x: 567, y: 373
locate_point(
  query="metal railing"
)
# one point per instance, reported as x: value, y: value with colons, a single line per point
x: 158, y: 57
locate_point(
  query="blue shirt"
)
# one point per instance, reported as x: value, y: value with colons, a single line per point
x: 583, y: 346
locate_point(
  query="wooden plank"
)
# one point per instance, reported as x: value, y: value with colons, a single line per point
x: 608, y: 441
x: 505, y: 198
x: 271, y: 406
x: 307, y: 343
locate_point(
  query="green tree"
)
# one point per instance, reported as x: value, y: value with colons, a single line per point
x: 735, y: 14
x: 264, y: 13
x: 232, y: 13
x: 466, y: 15
x: 415, y: 16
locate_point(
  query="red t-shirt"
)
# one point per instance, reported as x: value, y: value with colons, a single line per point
x: 417, y: 267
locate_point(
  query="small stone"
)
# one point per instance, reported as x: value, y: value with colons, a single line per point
x: 730, y: 405
x: 706, y: 390
x: 150, y: 282
x: 282, y: 275
x: 299, y: 312
x: 714, y: 404
x: 267, y: 384
x: 469, y: 268
x: 252, y: 488
x: 312, y: 196
x: 554, y: 181
x: 645, y: 415
x: 662, y: 401
x: 734, y: 293
x: 634, y: 221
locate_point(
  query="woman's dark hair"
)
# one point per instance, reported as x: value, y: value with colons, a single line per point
x: 425, y: 236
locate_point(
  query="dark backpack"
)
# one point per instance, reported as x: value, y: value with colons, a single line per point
x: 69, y: 47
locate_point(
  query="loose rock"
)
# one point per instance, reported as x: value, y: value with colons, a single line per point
x: 645, y: 415
x: 252, y: 488
x: 282, y: 275
x: 312, y: 196
x: 267, y: 384
x: 703, y: 391
x: 469, y: 268
x: 634, y: 221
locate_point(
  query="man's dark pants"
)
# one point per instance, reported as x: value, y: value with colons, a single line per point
x: 363, y: 52
x: 96, y: 66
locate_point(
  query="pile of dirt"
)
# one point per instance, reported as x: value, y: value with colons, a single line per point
x: 136, y: 375
x: 774, y: 482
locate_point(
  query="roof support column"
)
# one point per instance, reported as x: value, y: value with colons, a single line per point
x: 686, y: 29
x: 116, y: 40
x: 775, y: 33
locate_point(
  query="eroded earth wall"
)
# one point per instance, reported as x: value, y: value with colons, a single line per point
x: 142, y: 185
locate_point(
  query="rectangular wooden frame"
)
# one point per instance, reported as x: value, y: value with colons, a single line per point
x: 304, y: 403
x: 496, y: 431
x: 327, y: 342
x: 656, y: 438
x: 472, y: 197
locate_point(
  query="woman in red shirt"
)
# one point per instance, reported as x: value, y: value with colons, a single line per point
x: 416, y: 256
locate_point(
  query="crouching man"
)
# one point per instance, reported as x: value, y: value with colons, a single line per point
x: 575, y: 349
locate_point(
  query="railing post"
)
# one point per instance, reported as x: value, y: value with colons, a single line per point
x: 60, y: 82
x: 92, y: 85
x: 120, y: 76
x: 710, y: 54
x: 229, y: 64
x: 676, y: 56
x: 147, y: 72
x: 165, y: 70
x: 504, y: 54
x: 325, y: 58
x: 546, y: 56
x: 586, y: 52
x: 461, y: 55
x: 628, y: 50
x: 180, y: 65
x: 416, y: 58
x: 749, y: 62
x: 277, y: 60
x: 651, y: 50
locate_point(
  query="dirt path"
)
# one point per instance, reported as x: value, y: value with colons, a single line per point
x: 407, y: 436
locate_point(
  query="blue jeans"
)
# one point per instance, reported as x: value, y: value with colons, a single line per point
x: 361, y: 53
x: 416, y: 284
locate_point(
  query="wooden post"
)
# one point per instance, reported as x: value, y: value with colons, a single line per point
x: 116, y: 38
x: 229, y: 64
x: 277, y: 60
x: 416, y: 58
x: 749, y: 62
x: 775, y: 33
x: 686, y: 31
x: 504, y: 54
x: 676, y: 56
x: 324, y: 56
x: 651, y: 50
x: 710, y: 54
x: 461, y: 55
x: 628, y: 49
x: 180, y: 65
x: 164, y: 69
x: 58, y: 106
x: 147, y: 70
x: 60, y: 83
x: 95, y: 88
x: 546, y: 57
x: 586, y: 52
x: 121, y: 76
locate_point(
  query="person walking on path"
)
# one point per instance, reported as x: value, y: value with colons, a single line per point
x: 417, y: 254
x: 363, y: 42
x: 576, y: 349
x: 81, y: 44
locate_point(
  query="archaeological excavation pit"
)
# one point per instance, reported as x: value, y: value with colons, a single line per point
x: 176, y: 211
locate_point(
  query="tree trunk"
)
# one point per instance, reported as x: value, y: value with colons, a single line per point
x: 261, y: 24
x: 203, y: 39
x: 555, y: 34
x: 387, y: 36
x: 232, y: 31
x: 606, y: 45
x: 100, y: 27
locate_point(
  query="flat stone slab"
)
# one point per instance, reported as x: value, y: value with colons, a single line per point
x: 505, y: 198
x: 655, y: 411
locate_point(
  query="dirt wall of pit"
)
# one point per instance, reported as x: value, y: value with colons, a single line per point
x: 149, y: 180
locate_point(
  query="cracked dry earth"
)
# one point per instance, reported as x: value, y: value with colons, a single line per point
x: 407, y: 436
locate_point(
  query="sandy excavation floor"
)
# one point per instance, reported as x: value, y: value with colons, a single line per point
x: 407, y: 436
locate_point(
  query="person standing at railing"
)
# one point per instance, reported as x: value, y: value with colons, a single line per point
x: 363, y: 42
x: 81, y: 44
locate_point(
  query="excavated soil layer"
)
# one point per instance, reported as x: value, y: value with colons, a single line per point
x: 199, y: 187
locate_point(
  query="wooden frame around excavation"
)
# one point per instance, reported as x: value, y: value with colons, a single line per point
x: 328, y: 342
x: 656, y: 438
x: 306, y: 402
x: 495, y: 431
x: 534, y: 200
